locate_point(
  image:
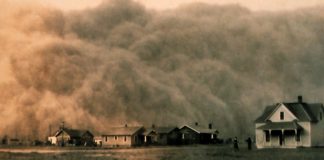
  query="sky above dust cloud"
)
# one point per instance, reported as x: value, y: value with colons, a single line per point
x: 272, y: 5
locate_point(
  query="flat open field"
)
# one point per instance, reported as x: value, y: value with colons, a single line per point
x: 198, y: 152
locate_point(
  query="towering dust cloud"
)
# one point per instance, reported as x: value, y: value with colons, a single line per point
x: 122, y: 63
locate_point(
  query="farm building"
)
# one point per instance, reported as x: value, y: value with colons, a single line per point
x: 14, y: 142
x: 10, y: 141
x: 290, y: 125
x: 52, y: 140
x: 162, y: 136
x: 98, y: 140
x: 74, y: 137
x: 123, y: 137
x: 198, y: 134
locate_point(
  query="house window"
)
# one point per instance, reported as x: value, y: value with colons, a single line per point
x: 282, y: 115
x: 116, y: 137
x: 125, y: 139
x: 106, y: 138
x: 298, y: 136
x: 267, y: 136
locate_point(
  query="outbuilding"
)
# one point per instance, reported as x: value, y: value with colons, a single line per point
x: 123, y: 136
x: 162, y: 135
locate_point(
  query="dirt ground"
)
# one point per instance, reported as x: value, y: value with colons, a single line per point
x: 199, y: 152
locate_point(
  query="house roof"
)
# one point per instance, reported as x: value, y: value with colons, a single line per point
x: 159, y: 130
x: 200, y: 129
x: 122, y: 131
x: 304, y: 112
x: 97, y: 138
x: 266, y: 113
x: 280, y: 125
x: 73, y: 132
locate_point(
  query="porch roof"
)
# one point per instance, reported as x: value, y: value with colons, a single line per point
x: 280, y: 125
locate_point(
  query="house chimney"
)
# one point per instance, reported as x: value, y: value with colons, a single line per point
x: 62, y: 125
x: 125, y: 125
x: 210, y: 126
x: 196, y: 123
x: 300, y: 99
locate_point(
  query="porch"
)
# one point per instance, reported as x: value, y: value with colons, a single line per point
x: 281, y: 134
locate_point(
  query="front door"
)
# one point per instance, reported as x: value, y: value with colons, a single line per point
x: 276, y: 138
x: 280, y: 139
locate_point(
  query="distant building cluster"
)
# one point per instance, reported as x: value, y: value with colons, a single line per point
x: 282, y: 125
x: 128, y: 136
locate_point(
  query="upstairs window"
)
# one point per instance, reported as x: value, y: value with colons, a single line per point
x: 282, y: 115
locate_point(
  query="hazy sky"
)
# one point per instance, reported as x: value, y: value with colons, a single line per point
x: 164, y: 4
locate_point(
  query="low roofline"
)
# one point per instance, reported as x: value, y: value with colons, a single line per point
x: 117, y: 134
x: 212, y: 131
x: 190, y: 128
x: 65, y: 130
x: 156, y: 130
x: 124, y: 134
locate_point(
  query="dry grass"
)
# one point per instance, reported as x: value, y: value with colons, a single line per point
x: 161, y: 153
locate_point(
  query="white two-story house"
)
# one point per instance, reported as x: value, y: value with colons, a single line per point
x: 290, y: 125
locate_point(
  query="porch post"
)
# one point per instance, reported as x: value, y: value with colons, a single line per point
x: 282, y: 136
x: 145, y: 139
x: 270, y: 137
x: 296, y: 137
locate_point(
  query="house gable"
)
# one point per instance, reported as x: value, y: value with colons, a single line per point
x: 62, y: 134
x: 87, y: 134
x: 186, y: 129
x: 282, y: 114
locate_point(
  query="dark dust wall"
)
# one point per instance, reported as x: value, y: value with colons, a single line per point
x: 122, y: 63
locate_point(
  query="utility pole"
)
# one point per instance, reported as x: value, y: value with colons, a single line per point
x: 50, y: 130
x: 62, y: 130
